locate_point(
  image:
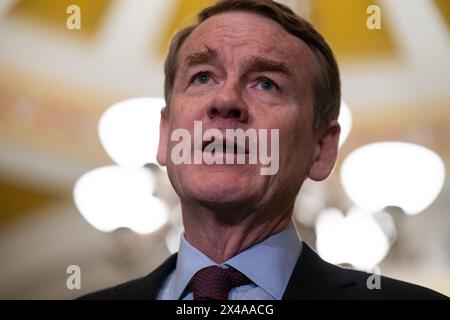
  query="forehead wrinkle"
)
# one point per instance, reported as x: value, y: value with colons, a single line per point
x: 222, y: 35
x: 267, y: 50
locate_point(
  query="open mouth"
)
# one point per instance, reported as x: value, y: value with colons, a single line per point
x: 224, y: 146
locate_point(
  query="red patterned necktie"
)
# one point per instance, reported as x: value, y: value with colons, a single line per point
x: 215, y: 283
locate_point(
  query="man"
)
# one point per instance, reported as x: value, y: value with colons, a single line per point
x: 250, y: 64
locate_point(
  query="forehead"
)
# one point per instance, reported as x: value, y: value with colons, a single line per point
x: 238, y: 35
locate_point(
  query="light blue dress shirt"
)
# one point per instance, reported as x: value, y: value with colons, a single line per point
x: 268, y: 264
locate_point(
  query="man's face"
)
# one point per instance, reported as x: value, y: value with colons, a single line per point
x: 242, y: 70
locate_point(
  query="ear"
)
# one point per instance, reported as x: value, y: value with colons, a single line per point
x: 161, y: 156
x: 325, y: 153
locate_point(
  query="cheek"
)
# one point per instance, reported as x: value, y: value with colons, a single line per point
x: 296, y: 141
x: 186, y: 109
x: 288, y: 120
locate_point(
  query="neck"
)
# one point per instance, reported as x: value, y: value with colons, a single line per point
x: 221, y: 234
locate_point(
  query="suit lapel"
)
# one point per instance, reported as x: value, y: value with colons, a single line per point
x: 314, y: 278
x: 157, y: 277
x: 148, y: 287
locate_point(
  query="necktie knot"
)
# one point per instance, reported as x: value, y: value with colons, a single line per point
x: 215, y: 283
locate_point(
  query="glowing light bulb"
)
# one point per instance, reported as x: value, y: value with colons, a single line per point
x: 113, y: 197
x: 356, y: 238
x: 393, y: 174
x: 129, y: 131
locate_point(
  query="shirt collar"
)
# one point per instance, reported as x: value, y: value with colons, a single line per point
x: 278, y: 254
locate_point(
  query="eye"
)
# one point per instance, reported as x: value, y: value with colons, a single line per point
x: 266, y: 84
x: 202, y: 78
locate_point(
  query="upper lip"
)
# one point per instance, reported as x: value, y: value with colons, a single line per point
x: 237, y: 148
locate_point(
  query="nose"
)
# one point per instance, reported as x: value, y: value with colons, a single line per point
x: 227, y: 103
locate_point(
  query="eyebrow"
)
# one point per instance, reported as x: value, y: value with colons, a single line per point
x: 255, y: 64
x: 201, y: 57
x: 261, y: 64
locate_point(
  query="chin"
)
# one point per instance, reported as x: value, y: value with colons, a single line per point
x: 225, y: 188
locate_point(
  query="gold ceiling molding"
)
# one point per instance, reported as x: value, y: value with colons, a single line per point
x: 43, y: 115
x: 444, y: 8
x: 53, y: 14
x: 343, y: 23
x: 69, y: 92
x: 18, y: 201
x: 422, y: 122
x: 432, y: 110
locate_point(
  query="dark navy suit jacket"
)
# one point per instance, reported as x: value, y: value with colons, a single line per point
x: 312, y: 279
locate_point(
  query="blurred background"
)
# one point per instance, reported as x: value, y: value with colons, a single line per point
x: 57, y: 78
